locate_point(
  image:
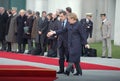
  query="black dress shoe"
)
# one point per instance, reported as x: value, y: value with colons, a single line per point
x: 13, y: 51
x: 103, y: 57
x: 109, y: 57
x: 77, y: 74
x: 60, y: 72
x: 67, y: 73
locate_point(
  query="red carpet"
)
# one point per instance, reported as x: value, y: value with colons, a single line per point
x: 26, y: 73
x: 53, y: 61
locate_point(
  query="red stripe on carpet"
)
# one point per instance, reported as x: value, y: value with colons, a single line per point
x: 26, y: 73
x: 53, y: 61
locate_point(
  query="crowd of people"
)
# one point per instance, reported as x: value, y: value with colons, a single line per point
x: 60, y: 34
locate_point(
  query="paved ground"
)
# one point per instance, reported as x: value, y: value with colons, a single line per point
x: 88, y: 75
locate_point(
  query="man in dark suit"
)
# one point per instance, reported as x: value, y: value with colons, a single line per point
x: 63, y: 42
x: 43, y: 28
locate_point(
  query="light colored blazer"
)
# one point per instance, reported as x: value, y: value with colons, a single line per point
x: 106, y: 30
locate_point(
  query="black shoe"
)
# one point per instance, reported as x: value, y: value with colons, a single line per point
x: 67, y: 73
x: 109, y: 57
x: 103, y: 57
x: 13, y: 51
x: 42, y: 54
x: 77, y: 74
x: 60, y: 72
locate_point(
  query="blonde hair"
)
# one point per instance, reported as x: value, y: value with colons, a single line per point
x: 73, y: 16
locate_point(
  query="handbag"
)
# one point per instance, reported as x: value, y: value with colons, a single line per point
x: 90, y: 52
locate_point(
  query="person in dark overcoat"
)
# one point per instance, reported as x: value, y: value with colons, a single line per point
x: 21, y: 20
x: 3, y: 21
x: 76, y: 39
x: 43, y: 29
x: 49, y: 17
x: 63, y: 42
x: 53, y: 25
x: 27, y: 35
x: 88, y: 27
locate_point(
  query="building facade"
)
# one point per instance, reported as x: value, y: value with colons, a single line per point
x: 20, y: 4
x: 80, y: 7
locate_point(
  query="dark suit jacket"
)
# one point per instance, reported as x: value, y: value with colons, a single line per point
x: 43, y: 27
x: 63, y: 37
x: 76, y: 37
x: 20, y: 28
x: 53, y: 25
x: 85, y: 26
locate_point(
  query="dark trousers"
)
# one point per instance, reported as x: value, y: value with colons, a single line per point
x: 3, y: 45
x: 53, y: 44
x: 30, y: 45
x: 21, y: 48
x: 43, y: 43
x: 9, y: 46
x: 63, y: 54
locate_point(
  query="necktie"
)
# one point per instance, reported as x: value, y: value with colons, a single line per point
x: 63, y: 24
x: 102, y: 25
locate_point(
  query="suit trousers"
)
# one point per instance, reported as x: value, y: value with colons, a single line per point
x: 3, y: 45
x: 21, y: 48
x: 106, y: 45
x: 63, y: 54
x: 30, y: 45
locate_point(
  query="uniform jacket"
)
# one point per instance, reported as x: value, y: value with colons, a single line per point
x: 88, y: 26
x: 106, y: 29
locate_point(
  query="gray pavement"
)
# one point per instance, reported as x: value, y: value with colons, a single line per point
x: 88, y: 75
x: 92, y: 75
